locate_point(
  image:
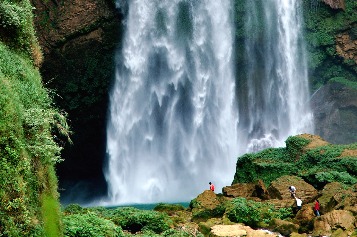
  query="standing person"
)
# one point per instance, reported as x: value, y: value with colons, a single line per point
x: 317, y: 208
x: 292, y: 191
x: 298, y: 203
x: 211, y: 186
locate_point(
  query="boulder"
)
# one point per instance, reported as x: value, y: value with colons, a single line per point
x: 330, y: 196
x: 238, y: 230
x: 336, y: 196
x: 331, y: 221
x: 298, y: 235
x: 279, y: 189
x: 284, y: 227
x: 306, y: 214
x: 305, y: 218
x: 247, y: 190
x: 207, y: 205
x: 239, y: 190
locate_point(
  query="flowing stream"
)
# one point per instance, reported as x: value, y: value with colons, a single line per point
x: 179, y: 116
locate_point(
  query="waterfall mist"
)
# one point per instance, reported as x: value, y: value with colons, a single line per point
x: 179, y: 117
x: 173, y: 117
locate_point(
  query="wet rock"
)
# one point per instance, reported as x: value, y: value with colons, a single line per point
x: 284, y: 227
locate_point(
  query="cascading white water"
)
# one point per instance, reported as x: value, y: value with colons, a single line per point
x: 173, y: 118
x: 173, y: 124
x: 274, y: 100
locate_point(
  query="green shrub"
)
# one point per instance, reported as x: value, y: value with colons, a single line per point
x: 28, y: 151
x: 168, y: 208
x: 135, y: 220
x: 335, y: 176
x: 295, y: 145
x: 73, y: 209
x: 16, y: 28
x: 90, y: 225
x: 255, y: 214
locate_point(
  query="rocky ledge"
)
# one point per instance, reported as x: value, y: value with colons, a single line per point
x: 263, y: 206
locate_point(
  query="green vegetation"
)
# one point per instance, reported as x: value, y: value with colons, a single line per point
x: 317, y: 165
x: 323, y: 25
x: 30, y: 129
x: 16, y: 29
x: 168, y: 208
x: 90, y: 225
x: 80, y: 221
x: 255, y: 214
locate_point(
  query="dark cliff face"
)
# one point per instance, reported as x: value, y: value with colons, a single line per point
x: 335, y: 113
x: 79, y: 40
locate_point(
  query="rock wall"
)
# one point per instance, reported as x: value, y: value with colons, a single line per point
x: 79, y: 40
x: 335, y: 4
x: 346, y: 46
x: 335, y: 113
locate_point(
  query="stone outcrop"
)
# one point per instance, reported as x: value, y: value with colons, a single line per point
x: 247, y: 190
x: 306, y: 215
x: 238, y: 230
x: 335, y: 113
x: 279, y: 189
x: 59, y: 23
x: 346, y: 47
x: 284, y: 227
x: 207, y: 205
x: 335, y: 4
x: 332, y: 221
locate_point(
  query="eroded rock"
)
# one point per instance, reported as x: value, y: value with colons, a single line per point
x: 279, y: 189
x: 331, y: 221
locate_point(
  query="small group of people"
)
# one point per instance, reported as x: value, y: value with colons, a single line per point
x: 292, y: 191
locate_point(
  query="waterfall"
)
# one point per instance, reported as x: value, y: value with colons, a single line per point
x: 273, y: 90
x: 173, y: 117
x: 179, y: 116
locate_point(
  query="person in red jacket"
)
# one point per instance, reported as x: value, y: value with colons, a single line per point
x: 317, y: 208
x: 211, y: 186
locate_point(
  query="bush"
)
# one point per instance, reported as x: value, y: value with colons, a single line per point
x: 90, y: 225
x: 255, y: 214
x: 168, y: 208
x: 135, y: 220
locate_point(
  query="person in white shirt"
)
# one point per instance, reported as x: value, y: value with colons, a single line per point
x: 298, y: 203
x: 292, y: 190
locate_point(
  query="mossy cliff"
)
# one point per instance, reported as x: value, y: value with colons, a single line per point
x: 306, y: 156
x: 30, y: 131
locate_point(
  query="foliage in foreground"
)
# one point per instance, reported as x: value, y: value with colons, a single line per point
x: 30, y: 129
x: 129, y: 219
